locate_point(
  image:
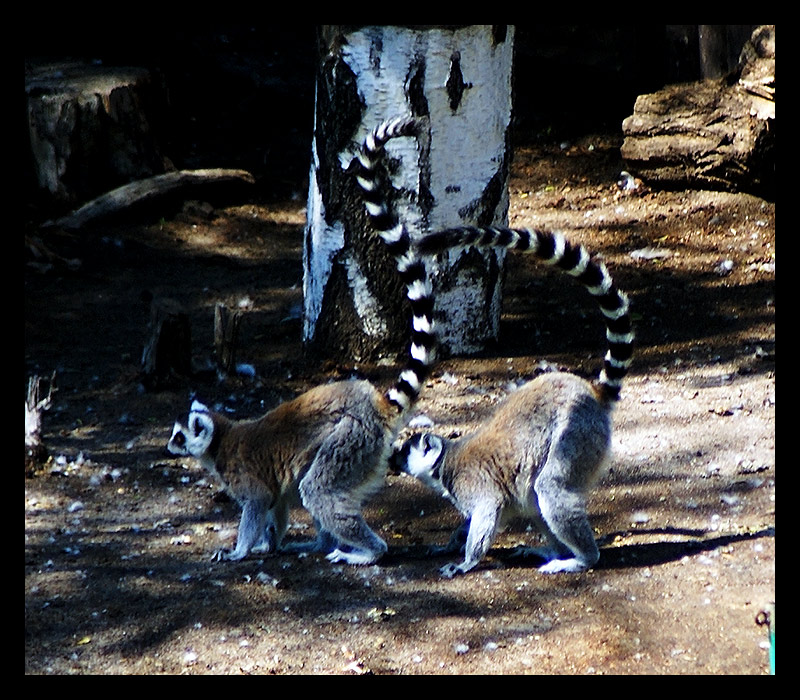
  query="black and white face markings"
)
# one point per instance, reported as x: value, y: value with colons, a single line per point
x: 192, y: 435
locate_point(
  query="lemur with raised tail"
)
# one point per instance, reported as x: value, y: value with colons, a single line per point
x: 331, y: 444
x: 545, y: 446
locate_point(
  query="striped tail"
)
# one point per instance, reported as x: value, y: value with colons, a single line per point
x: 554, y: 249
x: 412, y: 270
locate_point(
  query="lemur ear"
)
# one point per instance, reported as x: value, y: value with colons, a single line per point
x: 199, y: 407
x: 431, y: 444
x: 423, y: 452
x: 200, y: 422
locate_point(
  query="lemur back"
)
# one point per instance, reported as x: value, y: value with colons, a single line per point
x: 546, y: 445
x: 331, y: 444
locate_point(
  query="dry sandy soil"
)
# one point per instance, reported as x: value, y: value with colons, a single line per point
x: 118, y: 536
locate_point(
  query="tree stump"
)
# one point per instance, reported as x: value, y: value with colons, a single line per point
x: 226, y: 336
x: 35, y: 451
x: 167, y: 355
x: 91, y: 128
x: 713, y: 134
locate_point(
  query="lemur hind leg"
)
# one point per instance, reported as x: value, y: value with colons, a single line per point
x: 563, y: 509
x: 324, y: 542
x: 341, y: 477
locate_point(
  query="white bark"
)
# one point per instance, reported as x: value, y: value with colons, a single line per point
x: 324, y: 241
x: 445, y: 174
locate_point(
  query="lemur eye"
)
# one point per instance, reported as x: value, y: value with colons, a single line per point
x: 179, y: 439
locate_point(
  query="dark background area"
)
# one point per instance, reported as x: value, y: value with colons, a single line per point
x: 242, y: 95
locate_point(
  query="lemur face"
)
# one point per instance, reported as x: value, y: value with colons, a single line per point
x: 192, y: 437
x: 419, y: 457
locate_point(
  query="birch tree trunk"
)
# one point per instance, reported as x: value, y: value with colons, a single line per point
x: 454, y: 174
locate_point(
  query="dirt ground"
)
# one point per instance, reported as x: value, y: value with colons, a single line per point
x: 118, y: 535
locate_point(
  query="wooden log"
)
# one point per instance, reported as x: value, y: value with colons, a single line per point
x: 699, y: 135
x: 167, y: 355
x: 756, y: 69
x: 35, y: 405
x: 148, y: 190
x: 713, y: 134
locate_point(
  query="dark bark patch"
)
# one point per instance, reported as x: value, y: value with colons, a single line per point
x: 455, y: 84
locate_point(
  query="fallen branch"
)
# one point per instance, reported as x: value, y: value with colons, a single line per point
x: 146, y: 190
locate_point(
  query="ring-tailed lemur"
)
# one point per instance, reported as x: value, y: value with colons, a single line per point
x: 545, y: 446
x: 332, y: 443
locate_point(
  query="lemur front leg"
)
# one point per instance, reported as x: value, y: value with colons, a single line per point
x: 252, y: 530
x: 483, y: 523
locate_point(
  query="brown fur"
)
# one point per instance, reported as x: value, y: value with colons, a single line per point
x: 272, y: 453
x: 511, y: 449
x: 329, y: 445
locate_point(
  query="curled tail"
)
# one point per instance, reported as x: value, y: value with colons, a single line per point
x: 554, y: 249
x: 412, y: 270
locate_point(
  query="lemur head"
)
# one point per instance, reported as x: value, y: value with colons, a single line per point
x: 420, y: 456
x: 192, y: 437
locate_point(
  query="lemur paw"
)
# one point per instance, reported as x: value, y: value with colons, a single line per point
x: 227, y: 555
x: 219, y: 555
x: 265, y: 548
x: 450, y: 570
x: 354, y: 557
x: 564, y: 566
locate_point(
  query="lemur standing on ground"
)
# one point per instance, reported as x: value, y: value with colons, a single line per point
x: 546, y: 445
x: 331, y: 444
